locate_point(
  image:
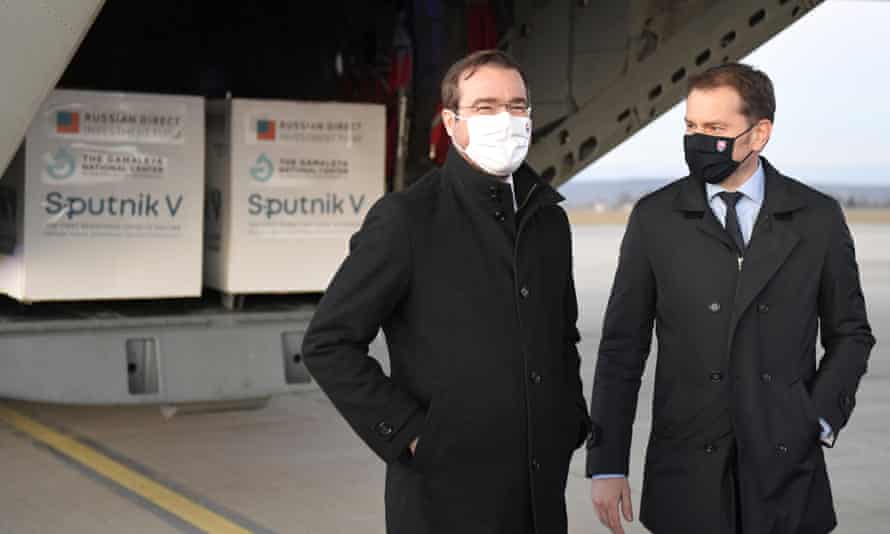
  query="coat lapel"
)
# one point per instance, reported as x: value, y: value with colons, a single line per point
x: 692, y: 200
x: 531, y: 194
x: 771, y: 244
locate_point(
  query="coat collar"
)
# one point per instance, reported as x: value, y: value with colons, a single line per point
x: 484, y: 189
x: 780, y: 199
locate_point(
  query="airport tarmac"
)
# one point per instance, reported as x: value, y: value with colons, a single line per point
x: 294, y: 466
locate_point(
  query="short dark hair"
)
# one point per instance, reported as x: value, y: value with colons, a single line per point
x: 464, y: 68
x: 753, y: 86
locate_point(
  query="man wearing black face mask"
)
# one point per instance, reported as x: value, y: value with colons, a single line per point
x: 738, y: 266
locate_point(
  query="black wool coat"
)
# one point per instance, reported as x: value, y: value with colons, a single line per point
x: 478, y: 307
x: 738, y: 387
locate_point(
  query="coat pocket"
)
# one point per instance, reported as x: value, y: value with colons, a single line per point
x: 810, y: 428
x: 426, y: 442
x: 806, y: 403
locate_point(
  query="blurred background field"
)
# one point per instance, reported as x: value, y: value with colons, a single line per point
x: 591, y: 216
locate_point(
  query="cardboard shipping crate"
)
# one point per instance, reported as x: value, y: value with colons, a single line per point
x: 288, y: 183
x: 104, y: 199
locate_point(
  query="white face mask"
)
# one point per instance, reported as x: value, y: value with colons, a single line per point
x: 498, y: 143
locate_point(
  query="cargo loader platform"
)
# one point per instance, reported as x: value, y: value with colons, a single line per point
x: 154, y: 352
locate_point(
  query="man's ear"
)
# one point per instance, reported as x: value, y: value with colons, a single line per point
x: 449, y: 119
x: 763, y: 132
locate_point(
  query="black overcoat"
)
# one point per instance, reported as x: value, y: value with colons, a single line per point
x: 738, y: 391
x: 478, y: 308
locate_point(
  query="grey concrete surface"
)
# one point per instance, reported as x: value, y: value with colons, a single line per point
x: 296, y: 467
x: 41, y: 494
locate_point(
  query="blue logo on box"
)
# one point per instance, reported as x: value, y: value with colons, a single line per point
x: 61, y: 165
x: 263, y: 168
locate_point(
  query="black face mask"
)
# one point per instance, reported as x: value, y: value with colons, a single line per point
x: 710, y: 157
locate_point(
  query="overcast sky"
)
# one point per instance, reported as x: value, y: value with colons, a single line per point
x: 831, y: 72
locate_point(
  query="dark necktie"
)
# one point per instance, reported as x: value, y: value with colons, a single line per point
x: 732, y: 219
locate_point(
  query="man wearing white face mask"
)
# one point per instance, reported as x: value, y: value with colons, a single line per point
x: 469, y: 274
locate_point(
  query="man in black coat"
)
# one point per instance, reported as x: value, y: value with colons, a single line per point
x: 469, y: 273
x: 738, y: 266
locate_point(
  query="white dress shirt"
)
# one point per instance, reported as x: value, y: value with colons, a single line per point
x: 509, y: 180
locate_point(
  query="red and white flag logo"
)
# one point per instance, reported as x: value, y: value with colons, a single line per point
x: 721, y: 145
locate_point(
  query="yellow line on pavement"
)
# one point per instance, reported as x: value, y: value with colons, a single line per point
x: 146, y: 488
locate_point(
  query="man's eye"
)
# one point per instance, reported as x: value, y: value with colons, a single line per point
x: 484, y: 108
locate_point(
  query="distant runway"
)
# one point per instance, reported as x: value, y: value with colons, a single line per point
x: 296, y: 467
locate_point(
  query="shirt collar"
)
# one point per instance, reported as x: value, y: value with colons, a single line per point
x: 753, y: 189
x: 509, y: 180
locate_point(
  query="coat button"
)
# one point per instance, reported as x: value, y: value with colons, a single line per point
x: 763, y: 308
x: 781, y: 448
x: 536, y: 465
x: 716, y: 376
x: 385, y: 429
x: 535, y: 377
x: 710, y: 448
x: 714, y: 307
x: 766, y: 378
x: 524, y: 292
x: 499, y: 216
